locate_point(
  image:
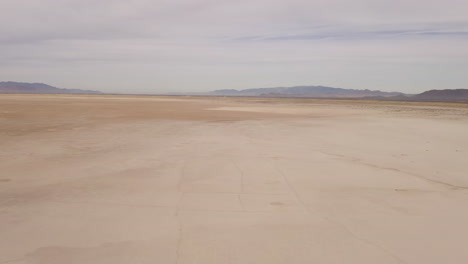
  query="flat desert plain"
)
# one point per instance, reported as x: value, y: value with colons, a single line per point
x: 146, y: 179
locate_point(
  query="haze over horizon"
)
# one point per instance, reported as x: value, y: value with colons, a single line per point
x: 195, y: 46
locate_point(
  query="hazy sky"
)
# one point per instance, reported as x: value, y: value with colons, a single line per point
x: 180, y: 45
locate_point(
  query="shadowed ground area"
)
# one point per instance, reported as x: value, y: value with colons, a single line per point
x: 146, y: 179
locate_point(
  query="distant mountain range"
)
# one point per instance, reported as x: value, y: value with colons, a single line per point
x: 38, y: 88
x: 460, y: 95
x: 305, y: 91
x: 445, y: 95
x: 457, y: 95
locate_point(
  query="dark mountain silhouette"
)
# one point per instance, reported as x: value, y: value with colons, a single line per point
x: 447, y: 95
x: 456, y: 95
x: 304, y: 91
x: 444, y: 95
x: 38, y: 88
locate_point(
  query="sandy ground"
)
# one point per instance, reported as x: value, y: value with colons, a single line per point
x: 122, y: 179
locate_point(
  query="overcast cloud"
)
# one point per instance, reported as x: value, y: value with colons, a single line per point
x: 145, y: 46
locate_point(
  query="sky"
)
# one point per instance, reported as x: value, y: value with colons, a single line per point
x: 154, y: 46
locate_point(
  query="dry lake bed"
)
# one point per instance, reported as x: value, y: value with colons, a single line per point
x: 194, y: 180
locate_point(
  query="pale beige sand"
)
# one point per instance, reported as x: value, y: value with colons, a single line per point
x: 123, y: 179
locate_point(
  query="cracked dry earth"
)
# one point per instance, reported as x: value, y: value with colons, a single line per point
x: 126, y: 179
